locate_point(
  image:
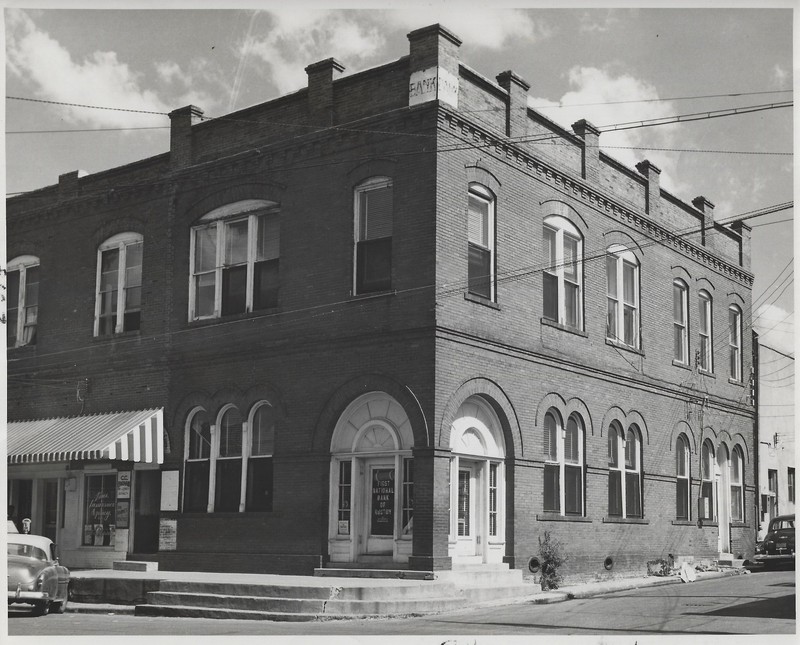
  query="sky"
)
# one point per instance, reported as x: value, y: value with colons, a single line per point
x: 610, y: 66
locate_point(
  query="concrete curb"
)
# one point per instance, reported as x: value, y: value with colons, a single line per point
x: 98, y: 608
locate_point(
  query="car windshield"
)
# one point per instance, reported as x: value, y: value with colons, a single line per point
x: 777, y: 525
x: 27, y: 550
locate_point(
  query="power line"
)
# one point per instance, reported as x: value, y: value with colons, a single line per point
x: 673, y: 98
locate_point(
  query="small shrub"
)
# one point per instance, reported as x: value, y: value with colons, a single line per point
x: 552, y: 559
x: 658, y: 567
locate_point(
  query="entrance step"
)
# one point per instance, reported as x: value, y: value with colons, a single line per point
x: 363, y: 572
x: 134, y: 565
x: 724, y: 561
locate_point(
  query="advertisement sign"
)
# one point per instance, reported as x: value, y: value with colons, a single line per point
x: 382, y: 517
x: 124, y: 484
x: 167, y: 535
x: 123, y: 514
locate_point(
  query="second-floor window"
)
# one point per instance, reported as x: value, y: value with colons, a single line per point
x: 562, y: 278
x: 706, y: 355
x: 680, y: 324
x: 118, y: 306
x: 22, y: 294
x: 373, y: 250
x: 480, y: 244
x: 735, y: 342
x: 235, y: 260
x: 622, y: 279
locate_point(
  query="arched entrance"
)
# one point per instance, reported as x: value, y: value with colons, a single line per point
x: 371, y: 503
x: 477, y: 485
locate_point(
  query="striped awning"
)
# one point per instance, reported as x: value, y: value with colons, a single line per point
x: 136, y: 436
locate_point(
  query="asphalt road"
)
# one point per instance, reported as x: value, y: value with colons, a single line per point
x: 758, y: 603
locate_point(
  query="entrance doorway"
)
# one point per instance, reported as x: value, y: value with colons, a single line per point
x: 146, y: 511
x: 379, y: 520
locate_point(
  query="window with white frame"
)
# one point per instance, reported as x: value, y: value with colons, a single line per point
x: 235, y: 254
x: 22, y: 300
x: 707, y: 465
x: 735, y: 342
x: 624, y: 472
x: 622, y: 279
x: 737, y: 488
x: 563, y: 468
x: 683, y: 479
x: 259, y: 462
x: 481, y: 242
x: 198, y: 461
x: 680, y: 301
x: 373, y: 248
x: 118, y: 306
x: 562, y: 279
x: 705, y: 324
x: 228, y: 480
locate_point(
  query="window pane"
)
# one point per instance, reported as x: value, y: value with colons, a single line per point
x: 195, y: 496
x: 573, y: 490
x: 704, y: 353
x: 480, y: 271
x: 680, y: 458
x: 549, y: 238
x: 228, y: 485
x: 478, y: 221
x: 259, y: 484
x: 571, y: 304
x: 200, y: 437
x: 265, y: 284
x: 100, y: 510
x: 570, y: 258
x: 263, y: 431
x: 375, y: 210
x: 704, y: 306
x: 633, y: 500
x: 12, y: 284
x: 630, y: 326
x: 463, y: 502
x: 205, y: 248
x: 230, y: 434
x: 679, y: 335
x: 631, y: 445
x: 571, y: 441
x: 552, y: 493
x: 268, y: 237
x: 707, y: 492
x: 677, y: 303
x: 408, y: 496
x: 611, y: 320
x: 615, y: 493
x: 737, y: 513
x: 550, y: 293
x: 236, y: 242
x: 613, y: 447
x: 109, y: 269
x: 204, y: 295
x: 32, y: 287
x: 374, y: 265
x: 682, y: 499
x: 234, y: 290
x: 611, y: 275
x: 550, y: 437
x: 629, y: 283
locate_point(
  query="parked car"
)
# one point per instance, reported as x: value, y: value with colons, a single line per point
x: 34, y: 575
x: 777, y: 547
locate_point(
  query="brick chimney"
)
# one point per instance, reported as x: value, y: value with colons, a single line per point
x: 433, y: 65
x: 744, y: 246
x: 180, y: 135
x: 517, y: 104
x: 707, y: 209
x: 68, y: 183
x: 320, y: 90
x: 590, y: 168
x: 653, y: 195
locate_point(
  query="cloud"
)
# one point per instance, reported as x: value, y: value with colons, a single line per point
x: 606, y: 98
x: 775, y: 327
x: 100, y: 79
x: 780, y: 77
x: 590, y: 25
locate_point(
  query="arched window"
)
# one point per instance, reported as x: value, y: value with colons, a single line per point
x: 373, y: 232
x: 705, y: 327
x: 624, y: 477
x: 682, y: 478
x: 737, y: 485
x: 259, y: 463
x: 198, y: 457
x: 228, y: 486
x: 481, y: 242
x: 562, y: 279
x: 735, y: 342
x: 622, y: 280
x: 707, y: 461
x: 680, y: 301
x: 22, y: 297
x: 234, y: 261
x: 118, y: 305
x: 563, y: 468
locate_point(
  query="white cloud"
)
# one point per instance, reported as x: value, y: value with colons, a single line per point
x: 775, y: 327
x: 780, y: 77
x: 589, y: 24
x: 605, y: 98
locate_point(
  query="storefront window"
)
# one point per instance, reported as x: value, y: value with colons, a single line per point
x: 100, y: 522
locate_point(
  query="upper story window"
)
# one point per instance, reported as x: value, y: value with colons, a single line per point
x: 373, y: 232
x: 705, y: 324
x: 735, y: 341
x: 562, y: 288
x: 624, y: 477
x: 118, y: 305
x: 563, y: 469
x: 680, y: 301
x: 682, y: 478
x: 235, y: 253
x: 622, y: 276
x: 22, y: 311
x: 481, y: 242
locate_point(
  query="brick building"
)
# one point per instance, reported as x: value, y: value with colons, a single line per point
x: 375, y: 321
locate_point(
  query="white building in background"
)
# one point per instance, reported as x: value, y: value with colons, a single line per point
x: 776, y: 456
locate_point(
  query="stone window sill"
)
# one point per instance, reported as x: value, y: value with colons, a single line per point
x: 624, y: 347
x: 625, y: 520
x: 570, y: 330
x: 480, y: 300
x: 556, y: 517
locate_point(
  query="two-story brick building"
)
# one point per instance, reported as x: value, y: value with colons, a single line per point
x: 376, y: 322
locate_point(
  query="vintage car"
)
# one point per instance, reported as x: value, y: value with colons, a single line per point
x: 34, y: 575
x: 777, y: 547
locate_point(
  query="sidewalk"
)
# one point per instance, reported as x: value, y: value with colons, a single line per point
x: 568, y: 592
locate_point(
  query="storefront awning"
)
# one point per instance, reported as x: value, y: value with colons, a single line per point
x: 136, y: 436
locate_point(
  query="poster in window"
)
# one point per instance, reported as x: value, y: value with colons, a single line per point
x: 382, y: 502
x: 123, y: 514
x: 100, y: 509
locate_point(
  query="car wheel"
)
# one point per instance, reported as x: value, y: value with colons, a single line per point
x: 61, y: 607
x: 41, y: 609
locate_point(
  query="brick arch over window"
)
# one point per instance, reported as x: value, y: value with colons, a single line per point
x: 621, y: 238
x: 705, y: 283
x: 739, y: 440
x: 177, y: 425
x: 681, y: 427
x: 625, y: 419
x: 476, y: 174
x: 122, y: 224
x: 493, y: 395
x: 556, y: 207
x: 679, y: 271
x: 576, y: 405
x: 351, y: 390
x: 216, y: 197
x: 371, y: 168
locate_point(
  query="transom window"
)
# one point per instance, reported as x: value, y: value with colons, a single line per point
x: 235, y: 260
x: 563, y: 247
x: 624, y: 477
x: 22, y: 311
x: 118, y: 306
x: 735, y: 342
x: 563, y: 468
x: 622, y: 278
x: 682, y: 478
x: 373, y: 249
x: 481, y: 242
x: 705, y: 355
x: 680, y: 294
